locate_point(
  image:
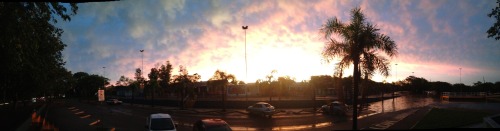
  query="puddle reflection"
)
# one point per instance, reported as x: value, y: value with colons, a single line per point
x: 285, y: 128
x: 40, y: 123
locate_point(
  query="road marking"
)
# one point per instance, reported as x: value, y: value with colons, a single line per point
x: 85, y: 116
x: 78, y: 113
x: 123, y: 112
x: 71, y: 108
x: 95, y: 122
x: 382, y: 126
x: 74, y: 110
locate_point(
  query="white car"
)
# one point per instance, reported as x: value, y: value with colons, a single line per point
x: 261, y: 108
x: 160, y: 122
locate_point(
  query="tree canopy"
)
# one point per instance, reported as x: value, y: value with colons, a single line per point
x: 494, y: 31
x: 31, y: 48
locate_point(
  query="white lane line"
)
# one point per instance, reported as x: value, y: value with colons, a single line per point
x: 384, y: 125
x: 85, y: 116
x: 94, y: 123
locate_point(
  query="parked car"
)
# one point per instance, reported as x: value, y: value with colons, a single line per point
x: 334, y: 108
x: 261, y: 108
x: 160, y: 122
x: 114, y: 102
x: 211, y: 125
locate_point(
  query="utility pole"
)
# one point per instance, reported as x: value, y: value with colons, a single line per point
x: 103, y: 80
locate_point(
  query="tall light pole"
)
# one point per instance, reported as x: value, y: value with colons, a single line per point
x: 394, y: 90
x: 460, y: 74
x: 246, y: 68
x: 396, y: 71
x: 142, y: 68
x: 103, y: 77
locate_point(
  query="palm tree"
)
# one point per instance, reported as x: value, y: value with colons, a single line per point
x: 360, y: 40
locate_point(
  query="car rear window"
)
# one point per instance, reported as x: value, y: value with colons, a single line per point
x: 162, y: 124
x: 267, y: 105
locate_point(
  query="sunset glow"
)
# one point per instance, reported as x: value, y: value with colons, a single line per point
x: 434, y: 37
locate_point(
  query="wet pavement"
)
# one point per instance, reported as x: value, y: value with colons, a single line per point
x: 401, y: 113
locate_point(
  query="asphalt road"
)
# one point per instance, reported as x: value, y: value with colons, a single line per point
x: 73, y: 115
x: 82, y: 116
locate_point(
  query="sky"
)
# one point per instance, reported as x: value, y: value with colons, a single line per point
x: 439, y: 40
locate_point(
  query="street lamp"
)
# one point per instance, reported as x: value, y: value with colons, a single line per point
x: 396, y: 71
x: 142, y: 61
x: 246, y: 67
x: 394, y: 90
x: 103, y: 80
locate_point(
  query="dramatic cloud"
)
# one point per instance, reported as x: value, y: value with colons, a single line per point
x: 435, y: 37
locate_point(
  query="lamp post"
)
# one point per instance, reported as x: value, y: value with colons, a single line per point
x: 142, y: 67
x: 246, y: 67
x: 103, y: 77
x: 394, y: 90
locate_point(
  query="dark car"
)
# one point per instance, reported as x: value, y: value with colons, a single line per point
x: 335, y: 108
x: 211, y: 125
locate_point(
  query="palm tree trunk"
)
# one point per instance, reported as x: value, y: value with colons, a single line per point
x: 355, y: 84
x: 363, y: 94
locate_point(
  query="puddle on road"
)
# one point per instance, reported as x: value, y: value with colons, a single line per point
x: 38, y: 122
x: 277, y: 128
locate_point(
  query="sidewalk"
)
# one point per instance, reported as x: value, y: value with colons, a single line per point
x: 411, y: 120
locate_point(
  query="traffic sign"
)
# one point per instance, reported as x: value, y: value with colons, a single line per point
x: 100, y: 95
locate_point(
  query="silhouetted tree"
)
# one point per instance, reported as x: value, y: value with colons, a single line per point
x: 153, y: 75
x: 124, y: 81
x: 496, y: 87
x: 138, y: 84
x: 285, y: 82
x: 31, y: 48
x: 494, y: 31
x: 322, y: 83
x: 358, y: 37
x: 165, y: 75
x: 440, y: 86
x: 87, y: 85
x: 183, y: 84
x: 221, y: 79
x: 416, y: 85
